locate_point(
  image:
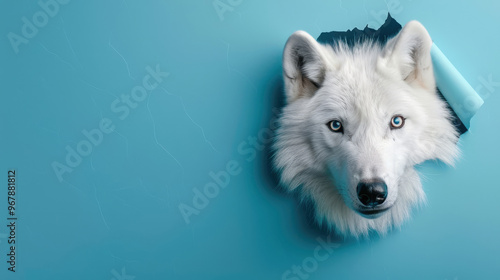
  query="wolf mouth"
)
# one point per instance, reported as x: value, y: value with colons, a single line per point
x: 372, y: 213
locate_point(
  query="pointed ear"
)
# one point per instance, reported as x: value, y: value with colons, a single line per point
x: 304, y: 66
x: 410, y: 53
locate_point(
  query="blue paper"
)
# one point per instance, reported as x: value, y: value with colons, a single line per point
x: 461, y: 97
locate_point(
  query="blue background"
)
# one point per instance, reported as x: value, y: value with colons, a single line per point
x: 116, y: 215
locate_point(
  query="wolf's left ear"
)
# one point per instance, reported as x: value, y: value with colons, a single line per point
x: 304, y: 66
x: 410, y: 53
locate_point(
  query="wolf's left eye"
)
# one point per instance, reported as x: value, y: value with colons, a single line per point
x: 397, y: 121
x: 335, y: 126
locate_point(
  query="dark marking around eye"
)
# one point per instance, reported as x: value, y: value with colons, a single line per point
x: 397, y: 122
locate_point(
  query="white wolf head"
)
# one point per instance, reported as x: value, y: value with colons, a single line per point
x: 356, y: 122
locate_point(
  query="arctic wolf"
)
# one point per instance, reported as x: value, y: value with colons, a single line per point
x: 356, y: 122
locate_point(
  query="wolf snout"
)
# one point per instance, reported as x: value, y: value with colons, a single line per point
x: 372, y: 193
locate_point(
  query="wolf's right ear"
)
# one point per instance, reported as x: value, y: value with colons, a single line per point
x: 304, y: 66
x: 410, y: 53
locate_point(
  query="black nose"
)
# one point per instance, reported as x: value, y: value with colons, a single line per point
x: 372, y: 193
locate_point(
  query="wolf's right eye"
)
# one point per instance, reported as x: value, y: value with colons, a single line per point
x: 397, y: 121
x: 335, y: 126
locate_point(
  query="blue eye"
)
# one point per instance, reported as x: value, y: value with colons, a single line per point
x: 397, y: 122
x: 335, y: 126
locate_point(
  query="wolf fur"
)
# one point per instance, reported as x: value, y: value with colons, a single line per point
x: 363, y: 87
